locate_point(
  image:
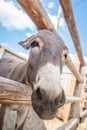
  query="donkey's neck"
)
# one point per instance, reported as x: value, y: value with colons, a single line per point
x: 19, y: 72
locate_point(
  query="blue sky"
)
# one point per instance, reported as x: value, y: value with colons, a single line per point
x: 15, y: 25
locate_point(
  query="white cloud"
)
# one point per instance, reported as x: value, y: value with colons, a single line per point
x: 62, y: 23
x: 85, y: 58
x: 65, y: 68
x: 73, y: 57
x: 54, y: 21
x: 12, y: 17
x: 4, y: 44
x: 28, y: 34
x: 50, y: 5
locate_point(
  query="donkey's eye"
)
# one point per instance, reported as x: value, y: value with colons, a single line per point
x: 34, y: 44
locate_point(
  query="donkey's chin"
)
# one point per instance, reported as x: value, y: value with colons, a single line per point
x: 43, y: 106
x: 45, y: 114
x: 47, y: 117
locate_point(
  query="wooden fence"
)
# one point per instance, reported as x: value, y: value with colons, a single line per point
x: 35, y: 10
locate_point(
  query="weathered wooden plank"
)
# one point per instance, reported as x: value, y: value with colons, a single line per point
x: 4, y: 49
x: 37, y: 13
x: 69, y: 125
x: 17, y: 93
x: 12, y: 92
x: 73, y: 68
x: 72, y: 99
x: 69, y: 16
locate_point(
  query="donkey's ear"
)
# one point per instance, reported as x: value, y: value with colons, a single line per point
x: 26, y: 44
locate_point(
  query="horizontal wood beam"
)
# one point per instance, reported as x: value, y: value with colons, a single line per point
x: 72, y: 99
x: 69, y: 125
x: 72, y: 67
x: 69, y: 17
x: 4, y: 49
x: 12, y: 92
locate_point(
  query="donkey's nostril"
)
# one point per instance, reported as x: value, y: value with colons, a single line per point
x: 38, y: 92
x: 56, y: 102
x: 60, y: 100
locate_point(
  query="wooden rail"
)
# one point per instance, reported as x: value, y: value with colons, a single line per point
x: 69, y: 16
x: 3, y: 49
x: 72, y: 99
x: 72, y: 67
x: 12, y: 92
x: 69, y: 125
x: 37, y: 13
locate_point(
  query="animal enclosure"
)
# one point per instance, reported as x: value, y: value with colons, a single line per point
x: 74, y: 84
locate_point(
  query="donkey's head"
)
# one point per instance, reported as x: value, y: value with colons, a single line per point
x: 44, y: 68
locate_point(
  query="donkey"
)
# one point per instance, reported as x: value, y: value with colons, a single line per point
x: 41, y: 72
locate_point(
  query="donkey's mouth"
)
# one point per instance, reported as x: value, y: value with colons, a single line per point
x: 44, y: 108
x: 45, y: 113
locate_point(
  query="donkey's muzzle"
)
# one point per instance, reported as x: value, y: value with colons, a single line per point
x: 43, y: 106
